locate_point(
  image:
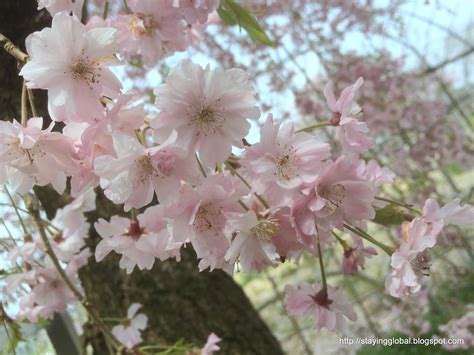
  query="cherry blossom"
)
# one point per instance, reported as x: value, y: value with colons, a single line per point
x: 251, y: 244
x: 211, y: 345
x: 283, y: 160
x: 197, y: 11
x: 411, y: 262
x: 55, y: 6
x: 137, y: 172
x: 208, y: 108
x: 130, y: 334
x: 199, y: 216
x: 154, y: 30
x: 329, y: 307
x: 451, y: 213
x: 339, y: 194
x: 354, y: 256
x: 139, y: 241
x: 72, y: 63
x: 32, y: 156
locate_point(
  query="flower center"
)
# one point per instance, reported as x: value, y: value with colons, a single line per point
x: 334, y: 196
x: 206, y: 118
x: 421, y: 264
x: 134, y: 231
x: 266, y: 229
x: 322, y: 299
x: 142, y: 25
x: 207, y: 217
x: 286, y: 164
x: 85, y: 70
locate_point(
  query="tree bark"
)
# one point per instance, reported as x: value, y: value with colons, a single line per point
x: 181, y: 302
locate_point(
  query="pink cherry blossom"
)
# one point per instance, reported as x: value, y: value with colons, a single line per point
x: 72, y: 63
x: 55, y: 6
x: 138, y: 241
x: 345, y: 105
x: 451, y: 213
x: 283, y: 160
x: 197, y: 10
x: 352, y: 133
x: 154, y: 30
x: 329, y: 307
x: 199, y: 216
x: 208, y: 108
x: 130, y: 335
x: 354, y: 256
x: 211, y: 345
x: 32, y: 156
x: 137, y: 172
x: 411, y: 262
x: 251, y: 244
x: 340, y: 194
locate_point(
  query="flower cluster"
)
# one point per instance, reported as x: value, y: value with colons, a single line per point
x: 187, y: 176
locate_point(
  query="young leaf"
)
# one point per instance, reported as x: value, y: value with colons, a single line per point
x: 232, y: 13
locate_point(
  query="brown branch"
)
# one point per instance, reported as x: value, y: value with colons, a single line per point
x: 447, y: 61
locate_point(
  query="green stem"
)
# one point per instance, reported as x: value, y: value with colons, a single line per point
x: 321, y: 266
x: 203, y: 171
x: 408, y: 207
x: 315, y: 126
x: 236, y: 173
x: 16, y: 211
x: 364, y: 235
x: 106, y: 9
x: 341, y: 241
x: 31, y: 98
x: 24, y: 100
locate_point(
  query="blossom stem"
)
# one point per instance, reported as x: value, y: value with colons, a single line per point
x: 236, y: 173
x: 133, y: 214
x: 315, y: 126
x: 364, y: 235
x: 16, y: 211
x: 408, y: 207
x: 31, y: 98
x: 321, y: 266
x: 24, y: 104
x: 80, y: 297
x: 203, y: 171
x: 26, y: 211
x: 341, y: 241
x: 106, y: 9
x: 11, y: 49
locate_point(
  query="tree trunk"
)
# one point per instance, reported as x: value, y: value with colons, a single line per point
x: 181, y: 302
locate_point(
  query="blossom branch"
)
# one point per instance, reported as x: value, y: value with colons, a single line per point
x: 389, y: 250
x: 315, y: 126
x: 24, y: 108
x: 408, y: 207
x: 80, y: 297
x: 11, y: 49
x: 236, y: 173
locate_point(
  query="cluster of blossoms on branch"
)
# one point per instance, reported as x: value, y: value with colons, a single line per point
x: 276, y: 199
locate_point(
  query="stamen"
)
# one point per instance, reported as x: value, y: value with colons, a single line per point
x: 266, y: 229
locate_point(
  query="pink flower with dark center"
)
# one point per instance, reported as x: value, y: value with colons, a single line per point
x: 129, y: 333
x: 329, y: 307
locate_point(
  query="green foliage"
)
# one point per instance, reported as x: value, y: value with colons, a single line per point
x: 390, y: 215
x: 14, y: 337
x: 231, y: 13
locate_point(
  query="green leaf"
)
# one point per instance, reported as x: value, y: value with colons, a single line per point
x: 391, y: 215
x: 232, y: 13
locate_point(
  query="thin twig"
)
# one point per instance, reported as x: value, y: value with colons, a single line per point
x: 13, y: 50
